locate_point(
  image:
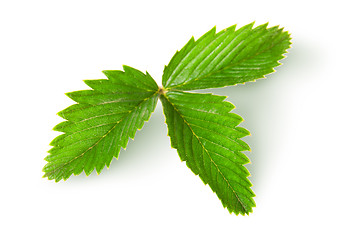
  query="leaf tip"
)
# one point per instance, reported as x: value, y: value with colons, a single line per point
x: 249, y: 26
x: 61, y: 114
x: 128, y: 68
x: 69, y: 94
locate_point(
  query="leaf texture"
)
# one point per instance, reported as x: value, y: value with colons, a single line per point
x: 101, y: 122
x: 206, y: 136
x: 226, y: 58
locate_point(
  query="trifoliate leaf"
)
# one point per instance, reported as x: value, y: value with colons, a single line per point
x: 206, y: 136
x: 101, y: 123
x: 226, y: 58
x: 201, y: 127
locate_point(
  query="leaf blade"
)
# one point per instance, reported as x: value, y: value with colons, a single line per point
x: 227, y: 58
x: 211, y: 146
x: 101, y: 122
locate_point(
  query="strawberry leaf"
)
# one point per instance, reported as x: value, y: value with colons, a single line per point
x: 207, y: 137
x: 101, y: 123
x: 226, y: 58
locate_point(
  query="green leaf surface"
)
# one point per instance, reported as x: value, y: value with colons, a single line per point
x: 206, y: 136
x: 101, y: 122
x: 226, y: 58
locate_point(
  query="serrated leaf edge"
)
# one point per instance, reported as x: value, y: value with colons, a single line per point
x: 87, y: 174
x: 244, y: 208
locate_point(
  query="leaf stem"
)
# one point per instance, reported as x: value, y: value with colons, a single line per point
x: 162, y: 91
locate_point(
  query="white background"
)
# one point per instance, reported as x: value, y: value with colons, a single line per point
x: 48, y: 47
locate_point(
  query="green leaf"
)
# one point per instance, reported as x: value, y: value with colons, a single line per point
x: 226, y: 58
x: 101, y: 123
x: 206, y: 136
